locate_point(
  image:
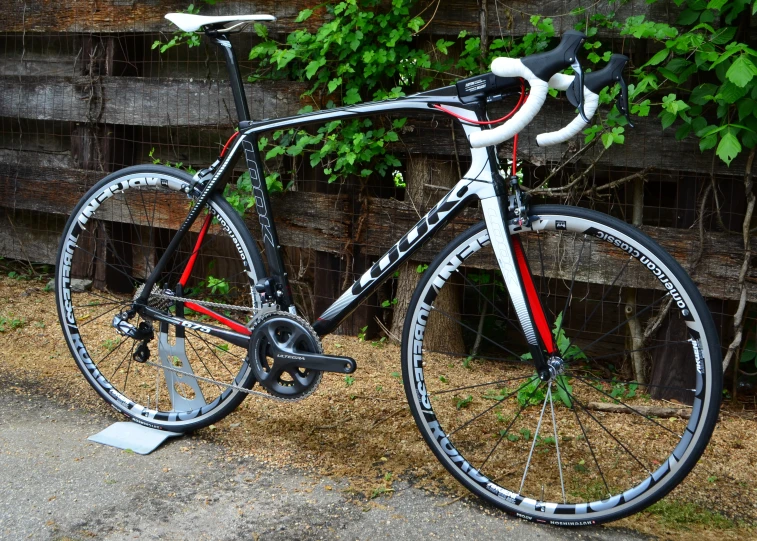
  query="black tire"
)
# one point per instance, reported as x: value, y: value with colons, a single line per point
x: 114, y: 236
x: 544, y: 451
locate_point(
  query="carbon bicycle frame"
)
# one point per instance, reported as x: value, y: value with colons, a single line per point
x: 482, y: 181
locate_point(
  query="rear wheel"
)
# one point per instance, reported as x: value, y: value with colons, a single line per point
x: 112, y: 241
x: 594, y: 444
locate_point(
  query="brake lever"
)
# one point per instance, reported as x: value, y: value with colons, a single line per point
x: 579, y: 78
x: 622, y: 102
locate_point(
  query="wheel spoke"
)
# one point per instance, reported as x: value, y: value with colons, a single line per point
x: 570, y: 290
x: 557, y: 443
x: 498, y: 382
x: 212, y: 350
x: 517, y: 358
x: 605, y: 380
x: 500, y: 346
x: 637, y: 412
x: 624, y: 322
x: 586, y: 439
x: 98, y: 317
x: 515, y: 325
x: 111, y: 352
x: 598, y: 305
x: 603, y: 427
x: 533, y: 442
x: 497, y: 403
x: 627, y: 351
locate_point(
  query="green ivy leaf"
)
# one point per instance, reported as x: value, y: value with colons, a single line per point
x: 667, y: 119
x: 745, y: 108
x: 728, y: 148
x: 703, y: 93
x: 749, y: 139
x: 716, y: 4
x: 687, y: 16
x: 261, y: 30
x: 304, y: 15
x: 730, y: 93
x: 724, y: 35
x: 352, y: 96
x: 682, y: 131
x: 658, y: 58
x: 741, y: 71
x: 275, y: 151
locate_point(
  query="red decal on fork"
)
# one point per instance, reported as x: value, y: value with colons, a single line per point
x: 537, y: 310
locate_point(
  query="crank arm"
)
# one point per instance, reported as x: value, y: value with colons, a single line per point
x: 231, y: 337
x: 314, y: 361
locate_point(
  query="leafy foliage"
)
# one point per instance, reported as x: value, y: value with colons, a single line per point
x: 701, y: 80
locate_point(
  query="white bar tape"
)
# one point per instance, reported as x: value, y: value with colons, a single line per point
x: 591, y: 102
x: 561, y: 81
x: 513, y: 67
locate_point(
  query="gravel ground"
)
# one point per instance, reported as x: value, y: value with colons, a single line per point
x: 54, y: 484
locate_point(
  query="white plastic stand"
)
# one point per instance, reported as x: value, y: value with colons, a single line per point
x: 132, y: 436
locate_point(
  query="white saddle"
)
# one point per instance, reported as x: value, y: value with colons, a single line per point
x: 192, y: 23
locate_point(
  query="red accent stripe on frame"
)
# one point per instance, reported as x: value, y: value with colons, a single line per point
x: 191, y: 263
x: 233, y: 325
x: 537, y: 311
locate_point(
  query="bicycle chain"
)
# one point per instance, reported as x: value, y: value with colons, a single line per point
x: 158, y: 293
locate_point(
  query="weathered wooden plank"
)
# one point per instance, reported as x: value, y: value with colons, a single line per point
x: 38, y: 64
x: 450, y: 17
x: 189, y: 103
x: 141, y: 101
x: 139, y: 15
x: 30, y: 236
x: 647, y: 145
x: 322, y: 222
x: 513, y: 18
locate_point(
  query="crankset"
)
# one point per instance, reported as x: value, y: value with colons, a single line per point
x: 287, y: 357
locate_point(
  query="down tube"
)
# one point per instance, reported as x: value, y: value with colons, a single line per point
x: 446, y: 209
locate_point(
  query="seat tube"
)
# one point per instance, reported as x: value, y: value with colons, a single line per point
x: 502, y: 243
x: 235, y: 78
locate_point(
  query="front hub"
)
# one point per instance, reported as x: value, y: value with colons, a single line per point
x: 556, y: 367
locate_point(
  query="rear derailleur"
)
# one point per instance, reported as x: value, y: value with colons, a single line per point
x: 143, y: 333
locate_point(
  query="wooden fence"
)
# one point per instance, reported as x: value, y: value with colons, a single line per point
x: 83, y: 93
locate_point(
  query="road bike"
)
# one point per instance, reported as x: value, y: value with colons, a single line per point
x: 530, y: 403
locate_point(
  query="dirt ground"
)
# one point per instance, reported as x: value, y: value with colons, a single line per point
x: 362, y: 430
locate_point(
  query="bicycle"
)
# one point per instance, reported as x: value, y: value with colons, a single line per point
x: 192, y: 317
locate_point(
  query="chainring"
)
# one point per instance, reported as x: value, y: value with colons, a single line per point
x: 290, y: 334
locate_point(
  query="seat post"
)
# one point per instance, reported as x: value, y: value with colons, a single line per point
x: 235, y: 78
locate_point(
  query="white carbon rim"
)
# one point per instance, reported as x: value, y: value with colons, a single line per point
x: 583, y: 514
x: 138, y: 412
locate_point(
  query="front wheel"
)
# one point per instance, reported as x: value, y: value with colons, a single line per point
x: 636, y: 389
